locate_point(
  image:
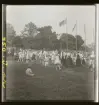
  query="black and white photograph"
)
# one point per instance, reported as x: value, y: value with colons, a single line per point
x: 50, y: 52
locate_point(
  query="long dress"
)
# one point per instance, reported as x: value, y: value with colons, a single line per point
x: 63, y: 61
x: 83, y: 61
x: 71, y: 62
x: 68, y: 61
x: 78, y: 61
x: 57, y: 60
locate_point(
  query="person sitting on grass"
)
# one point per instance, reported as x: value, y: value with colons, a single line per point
x: 29, y: 71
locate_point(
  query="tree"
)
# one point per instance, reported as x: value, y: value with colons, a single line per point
x: 71, y: 41
x: 85, y: 48
x: 46, y: 37
x: 10, y: 33
x: 30, y: 29
x: 45, y: 29
x: 80, y: 41
x: 17, y: 42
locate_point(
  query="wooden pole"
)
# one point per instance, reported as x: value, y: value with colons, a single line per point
x: 67, y: 35
x: 85, y: 37
x: 76, y: 34
x: 93, y: 36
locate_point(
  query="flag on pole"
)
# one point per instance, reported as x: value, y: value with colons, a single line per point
x: 73, y: 27
x: 63, y: 22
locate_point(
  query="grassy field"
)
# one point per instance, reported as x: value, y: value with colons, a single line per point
x: 48, y: 84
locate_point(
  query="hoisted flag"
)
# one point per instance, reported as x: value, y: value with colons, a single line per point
x: 63, y: 22
x: 73, y: 27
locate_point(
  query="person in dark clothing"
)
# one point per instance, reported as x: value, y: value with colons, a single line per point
x: 78, y: 61
x: 83, y: 62
x: 17, y: 57
x: 71, y: 62
x: 66, y: 61
x: 33, y: 57
x: 63, y: 61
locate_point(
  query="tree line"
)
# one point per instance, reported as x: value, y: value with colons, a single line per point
x: 33, y: 37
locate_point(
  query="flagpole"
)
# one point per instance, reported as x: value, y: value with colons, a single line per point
x: 85, y: 37
x: 67, y: 35
x: 93, y: 40
x: 93, y: 36
x: 76, y: 34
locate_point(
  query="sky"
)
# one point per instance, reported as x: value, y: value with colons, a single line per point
x: 43, y: 15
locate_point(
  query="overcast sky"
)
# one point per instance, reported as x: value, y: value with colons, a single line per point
x: 41, y: 15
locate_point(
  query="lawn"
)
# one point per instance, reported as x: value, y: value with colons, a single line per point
x: 48, y: 84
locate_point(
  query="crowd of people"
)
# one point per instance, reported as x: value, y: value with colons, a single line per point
x: 61, y: 59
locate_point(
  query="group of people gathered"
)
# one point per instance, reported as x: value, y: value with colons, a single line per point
x: 61, y: 59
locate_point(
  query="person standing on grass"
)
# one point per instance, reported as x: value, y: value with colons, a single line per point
x: 57, y: 62
x: 63, y: 60
x: 83, y: 61
x: 68, y: 59
x: 92, y: 62
x: 15, y: 54
x: 71, y: 61
x: 78, y: 61
x: 27, y: 57
x: 74, y: 60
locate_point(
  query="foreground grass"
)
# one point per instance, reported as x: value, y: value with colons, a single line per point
x: 48, y: 84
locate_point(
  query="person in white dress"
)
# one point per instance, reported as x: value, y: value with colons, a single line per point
x: 92, y: 62
x: 46, y: 61
x: 27, y: 57
x: 52, y: 58
x: 57, y: 62
x: 20, y: 56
